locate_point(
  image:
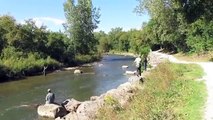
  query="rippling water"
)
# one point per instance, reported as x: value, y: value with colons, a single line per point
x: 19, y: 98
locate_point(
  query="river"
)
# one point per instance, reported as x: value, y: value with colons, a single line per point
x: 18, y: 98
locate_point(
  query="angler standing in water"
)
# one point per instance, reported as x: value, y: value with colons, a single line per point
x: 44, y: 70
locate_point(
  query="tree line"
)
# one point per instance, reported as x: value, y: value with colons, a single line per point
x: 118, y: 40
x: 26, y: 48
x: 179, y: 25
x: 175, y: 25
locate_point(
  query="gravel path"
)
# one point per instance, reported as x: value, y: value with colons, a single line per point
x: 208, y: 69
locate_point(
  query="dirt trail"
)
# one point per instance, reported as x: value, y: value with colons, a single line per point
x: 208, y: 69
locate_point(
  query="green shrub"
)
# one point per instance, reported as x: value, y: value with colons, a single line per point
x: 200, y: 36
x: 112, y: 102
x: 144, y: 50
x: 28, y: 64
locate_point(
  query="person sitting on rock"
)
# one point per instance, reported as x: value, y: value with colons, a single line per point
x: 50, y: 97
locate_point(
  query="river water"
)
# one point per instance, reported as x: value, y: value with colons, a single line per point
x: 18, y: 98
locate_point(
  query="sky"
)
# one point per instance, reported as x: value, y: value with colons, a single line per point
x: 114, y: 13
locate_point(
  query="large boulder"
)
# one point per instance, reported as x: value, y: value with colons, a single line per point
x: 51, y: 111
x: 88, y: 109
x: 125, y: 66
x: 125, y: 88
x: 69, y: 68
x: 135, y: 80
x: 130, y: 72
x: 70, y: 116
x: 71, y: 105
x: 77, y: 71
x: 93, y: 98
x: 121, y: 94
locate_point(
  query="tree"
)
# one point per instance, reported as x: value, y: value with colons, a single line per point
x: 103, y: 41
x: 2, y: 41
x: 7, y: 28
x: 56, y: 43
x: 82, y: 19
x: 104, y: 44
x: 200, y: 36
x: 164, y: 19
x: 34, y: 38
x: 124, y: 42
x: 114, y: 36
x: 175, y: 20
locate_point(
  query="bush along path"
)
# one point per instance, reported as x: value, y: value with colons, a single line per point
x: 208, y: 78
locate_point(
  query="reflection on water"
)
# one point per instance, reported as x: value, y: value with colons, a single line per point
x: 18, y: 99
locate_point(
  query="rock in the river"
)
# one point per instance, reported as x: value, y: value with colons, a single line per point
x: 51, y: 111
x: 125, y: 66
x: 77, y: 71
x: 69, y: 68
x: 130, y: 72
x: 71, y: 105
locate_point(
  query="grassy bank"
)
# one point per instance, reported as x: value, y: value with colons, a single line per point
x: 171, y: 91
x: 14, y: 68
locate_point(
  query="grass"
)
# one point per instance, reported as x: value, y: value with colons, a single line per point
x: 171, y: 92
x: 16, y: 68
x: 208, y: 56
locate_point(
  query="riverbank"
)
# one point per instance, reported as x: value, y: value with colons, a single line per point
x: 122, y: 53
x: 87, y: 110
x: 13, y: 70
x: 171, y: 91
x: 95, y: 80
x: 120, y: 96
x: 176, y: 88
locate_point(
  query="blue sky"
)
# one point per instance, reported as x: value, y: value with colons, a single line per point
x: 114, y: 13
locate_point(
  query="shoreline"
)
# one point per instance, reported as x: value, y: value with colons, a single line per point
x: 39, y: 73
x: 155, y: 59
x: 122, y: 53
x: 122, y: 94
x: 87, y: 110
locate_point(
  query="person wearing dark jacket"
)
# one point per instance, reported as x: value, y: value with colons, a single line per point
x: 145, y: 61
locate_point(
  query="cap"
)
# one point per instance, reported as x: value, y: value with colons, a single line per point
x: 49, y: 90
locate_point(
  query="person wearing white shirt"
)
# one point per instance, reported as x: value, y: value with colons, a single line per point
x: 138, y: 65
